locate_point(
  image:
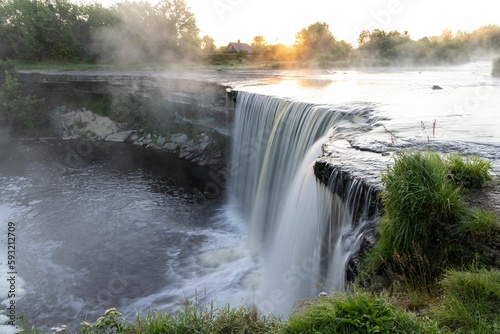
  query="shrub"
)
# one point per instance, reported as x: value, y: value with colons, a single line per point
x: 22, y: 114
x: 419, y: 202
x: 471, y: 302
x: 481, y: 225
x: 357, y: 313
x: 111, y: 322
x: 470, y: 172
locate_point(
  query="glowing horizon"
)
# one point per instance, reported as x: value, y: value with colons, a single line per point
x: 279, y: 21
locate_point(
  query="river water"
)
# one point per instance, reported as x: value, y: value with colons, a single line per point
x: 100, y: 226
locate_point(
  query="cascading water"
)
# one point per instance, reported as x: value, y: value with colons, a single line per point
x: 304, y: 230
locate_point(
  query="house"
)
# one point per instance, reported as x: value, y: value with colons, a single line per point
x: 238, y: 47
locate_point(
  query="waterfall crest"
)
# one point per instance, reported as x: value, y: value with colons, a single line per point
x: 305, y: 230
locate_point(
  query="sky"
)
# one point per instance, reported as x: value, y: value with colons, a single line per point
x: 280, y: 20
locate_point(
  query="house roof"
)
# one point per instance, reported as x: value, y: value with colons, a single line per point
x: 238, y: 47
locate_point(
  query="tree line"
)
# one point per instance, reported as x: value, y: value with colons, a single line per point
x: 60, y: 30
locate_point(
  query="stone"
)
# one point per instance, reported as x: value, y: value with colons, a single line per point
x: 171, y: 146
x: 120, y: 137
x: 161, y: 141
x: 183, y: 154
x: 179, y: 138
x: 190, y: 146
x: 203, y: 145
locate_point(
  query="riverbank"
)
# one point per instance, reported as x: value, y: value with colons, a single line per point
x: 204, y: 149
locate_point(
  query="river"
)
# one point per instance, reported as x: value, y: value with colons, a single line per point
x: 101, y: 225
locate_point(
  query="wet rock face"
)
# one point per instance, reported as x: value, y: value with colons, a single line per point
x: 205, y: 149
x: 76, y: 124
x: 189, y: 102
x: 342, y: 166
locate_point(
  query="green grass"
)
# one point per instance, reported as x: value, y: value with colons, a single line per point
x: 418, y: 200
x: 65, y: 66
x: 190, y: 320
x: 357, y: 313
x: 481, y: 225
x: 471, y: 302
x: 470, y: 172
x: 426, y: 225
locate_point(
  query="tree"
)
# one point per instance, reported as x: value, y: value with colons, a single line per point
x: 146, y: 32
x: 260, y: 47
x: 313, y: 39
x: 186, y: 31
x: 316, y: 42
x: 21, y: 114
x: 382, y: 46
x: 207, y: 44
x: 45, y: 30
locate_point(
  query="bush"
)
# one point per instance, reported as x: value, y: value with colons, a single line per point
x: 481, y: 226
x: 357, y: 313
x: 470, y: 172
x: 471, y: 302
x: 22, y: 114
x: 418, y: 202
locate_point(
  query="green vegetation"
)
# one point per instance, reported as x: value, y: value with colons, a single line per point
x: 427, y: 226
x: 60, y: 30
x: 470, y: 303
x: 357, y: 313
x: 317, y: 43
x: 190, y: 321
x: 166, y: 34
x: 21, y: 114
x: 469, y: 172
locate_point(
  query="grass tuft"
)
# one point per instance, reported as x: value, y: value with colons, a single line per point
x: 190, y: 320
x: 470, y: 172
x: 427, y: 226
x: 471, y: 302
x: 357, y: 313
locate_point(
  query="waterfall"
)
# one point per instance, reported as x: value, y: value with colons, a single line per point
x: 306, y: 231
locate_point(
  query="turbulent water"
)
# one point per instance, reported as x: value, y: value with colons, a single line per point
x: 119, y: 228
x: 116, y: 226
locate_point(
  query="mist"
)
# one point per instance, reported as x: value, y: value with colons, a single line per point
x: 144, y: 32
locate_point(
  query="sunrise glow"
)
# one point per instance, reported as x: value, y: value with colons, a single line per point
x: 280, y: 20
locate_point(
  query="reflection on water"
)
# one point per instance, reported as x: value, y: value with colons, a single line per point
x: 318, y: 83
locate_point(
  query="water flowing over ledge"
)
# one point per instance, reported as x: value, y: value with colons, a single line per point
x: 306, y: 227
